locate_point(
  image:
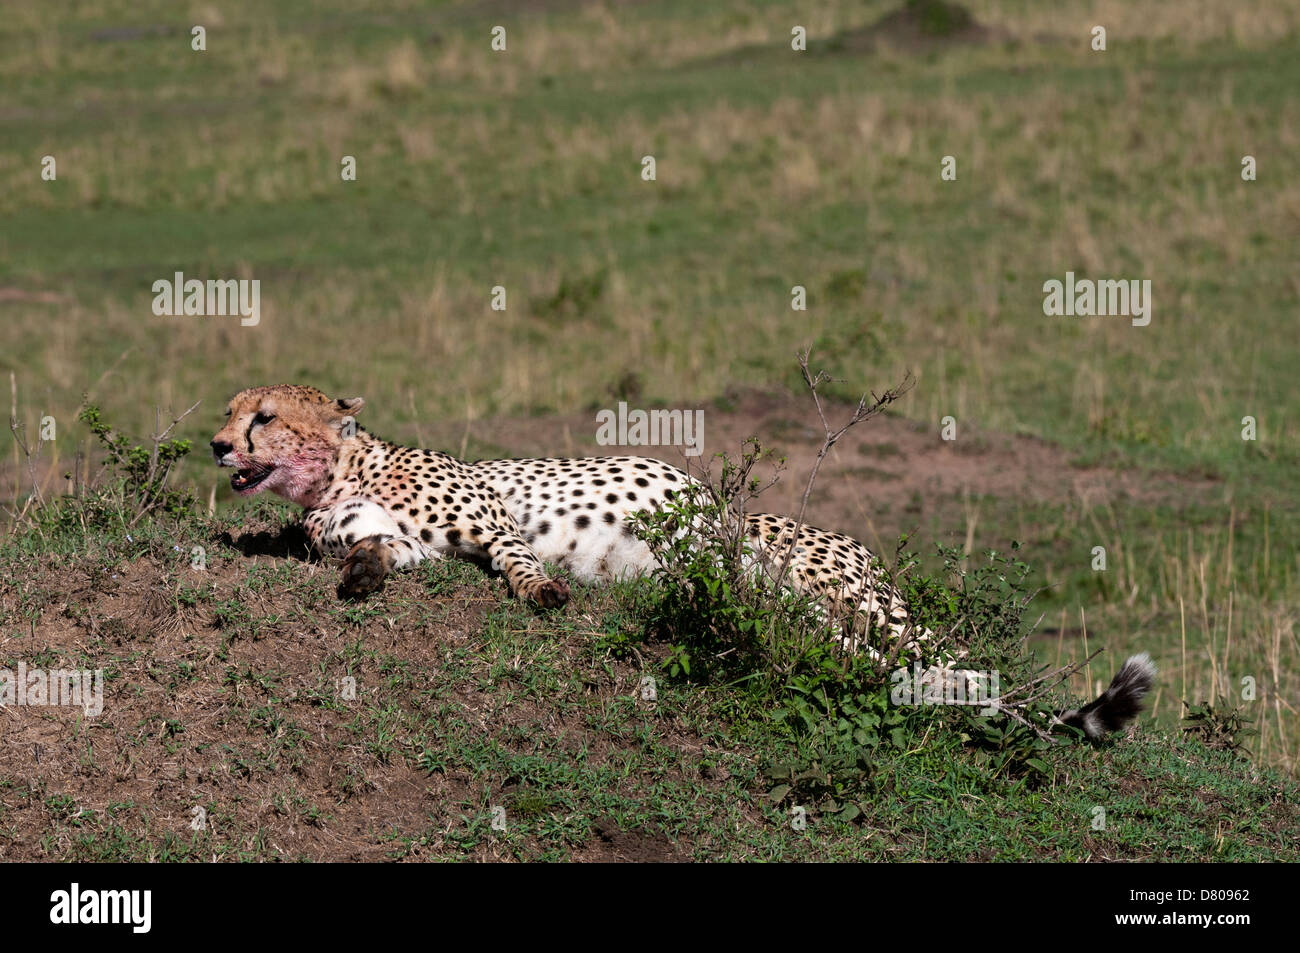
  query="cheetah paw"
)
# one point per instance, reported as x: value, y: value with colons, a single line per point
x: 364, y: 570
x: 551, y: 594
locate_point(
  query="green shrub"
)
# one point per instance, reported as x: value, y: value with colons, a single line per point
x: 141, y: 472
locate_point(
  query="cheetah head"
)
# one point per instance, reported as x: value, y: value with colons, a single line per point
x: 285, y: 439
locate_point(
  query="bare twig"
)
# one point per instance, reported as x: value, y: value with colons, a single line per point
x: 1056, y: 677
x: 865, y: 411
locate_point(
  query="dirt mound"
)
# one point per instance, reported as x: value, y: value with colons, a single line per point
x: 247, y: 713
x: 187, y: 736
x: 223, y: 689
x: 917, y: 25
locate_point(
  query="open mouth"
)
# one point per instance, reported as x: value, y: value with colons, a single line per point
x: 244, y: 480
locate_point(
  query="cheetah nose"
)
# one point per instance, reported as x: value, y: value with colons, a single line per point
x: 220, y: 448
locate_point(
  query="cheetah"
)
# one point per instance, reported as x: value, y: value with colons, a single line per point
x: 378, y: 506
x: 381, y: 507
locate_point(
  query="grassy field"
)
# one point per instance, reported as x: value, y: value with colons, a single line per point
x: 774, y: 168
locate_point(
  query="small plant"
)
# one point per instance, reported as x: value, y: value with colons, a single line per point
x: 31, y: 454
x: 1012, y: 748
x: 838, y: 727
x: 834, y: 782
x: 1219, y: 727
x: 143, y: 471
x: 721, y: 614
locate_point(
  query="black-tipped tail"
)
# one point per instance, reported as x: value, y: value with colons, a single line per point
x: 1117, y: 705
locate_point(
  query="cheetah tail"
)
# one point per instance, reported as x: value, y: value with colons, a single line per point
x: 1117, y: 705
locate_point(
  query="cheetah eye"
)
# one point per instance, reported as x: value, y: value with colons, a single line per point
x: 263, y: 418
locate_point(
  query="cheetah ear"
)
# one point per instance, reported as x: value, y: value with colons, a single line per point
x: 342, y: 413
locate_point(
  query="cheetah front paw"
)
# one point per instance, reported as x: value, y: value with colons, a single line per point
x: 551, y: 593
x: 364, y: 569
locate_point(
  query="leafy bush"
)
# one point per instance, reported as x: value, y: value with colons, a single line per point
x: 728, y: 615
x: 142, y: 471
x: 728, y: 621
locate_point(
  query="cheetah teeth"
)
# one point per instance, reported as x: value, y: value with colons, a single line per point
x: 247, y: 478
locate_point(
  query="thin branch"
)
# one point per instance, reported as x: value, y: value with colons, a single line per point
x: 154, y: 483
x: 865, y: 411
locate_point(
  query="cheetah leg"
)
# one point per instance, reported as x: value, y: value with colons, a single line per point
x: 370, y: 542
x: 373, y: 558
x: 372, y: 545
x: 525, y: 572
x: 365, y: 567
